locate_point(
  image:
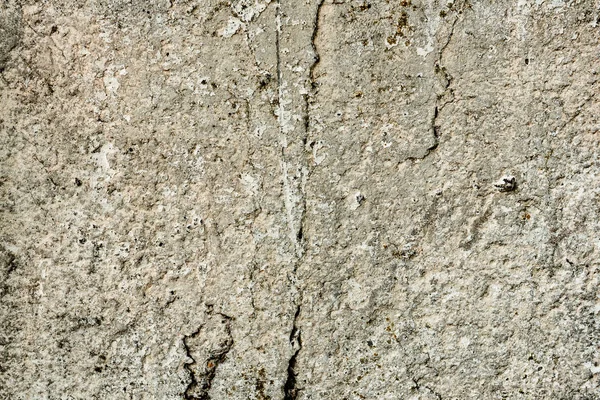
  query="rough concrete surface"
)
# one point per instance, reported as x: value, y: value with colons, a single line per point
x: 299, y: 199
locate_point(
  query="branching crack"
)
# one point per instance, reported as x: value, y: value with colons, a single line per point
x: 208, y: 348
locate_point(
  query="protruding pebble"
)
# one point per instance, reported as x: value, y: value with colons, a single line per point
x: 507, y: 183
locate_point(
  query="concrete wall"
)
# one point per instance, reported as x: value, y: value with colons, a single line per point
x: 299, y: 199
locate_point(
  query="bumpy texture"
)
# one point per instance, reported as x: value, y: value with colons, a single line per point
x: 257, y: 199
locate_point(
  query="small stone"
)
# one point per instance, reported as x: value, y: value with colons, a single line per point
x: 507, y: 183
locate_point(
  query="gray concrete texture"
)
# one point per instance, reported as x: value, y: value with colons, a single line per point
x: 299, y: 199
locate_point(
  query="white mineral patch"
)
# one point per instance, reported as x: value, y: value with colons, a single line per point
x: 232, y: 27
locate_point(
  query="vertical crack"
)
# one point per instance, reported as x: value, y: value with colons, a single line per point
x: 447, y: 94
x: 312, y: 81
x: 313, y: 38
x: 194, y: 380
x: 290, y: 389
x: 278, y: 46
x: 442, y: 98
x: 297, y: 226
x: 290, y: 189
x: 307, y: 97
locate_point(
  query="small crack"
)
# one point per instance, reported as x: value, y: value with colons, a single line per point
x: 313, y: 38
x: 278, y: 45
x: 577, y: 112
x: 290, y: 388
x: 194, y: 381
x: 436, y: 394
x: 312, y: 90
x: 419, y: 387
x: 202, y: 375
x: 253, y: 268
x: 11, y: 265
x: 441, y: 100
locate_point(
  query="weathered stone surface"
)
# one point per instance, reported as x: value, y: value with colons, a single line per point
x: 315, y: 199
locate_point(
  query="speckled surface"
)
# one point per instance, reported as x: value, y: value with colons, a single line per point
x: 299, y: 199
